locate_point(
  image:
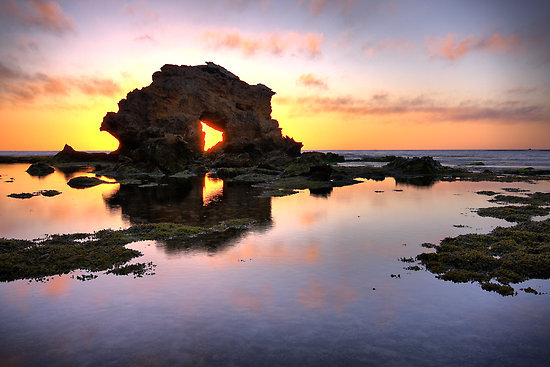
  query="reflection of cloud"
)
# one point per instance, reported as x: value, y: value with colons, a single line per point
x: 57, y: 287
x: 308, y: 44
x: 463, y: 111
x: 18, y: 86
x: 310, y: 80
x: 317, y: 295
x: 248, y: 300
x: 312, y: 296
x: 452, y: 48
x: 42, y: 14
x: 307, y: 219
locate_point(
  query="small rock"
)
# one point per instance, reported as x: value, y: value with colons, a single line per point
x: 82, y: 182
x: 23, y: 195
x: 39, y: 169
x: 50, y: 193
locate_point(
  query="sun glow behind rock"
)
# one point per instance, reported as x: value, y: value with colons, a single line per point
x: 211, y: 136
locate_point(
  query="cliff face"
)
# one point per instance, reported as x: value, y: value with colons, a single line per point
x: 161, y: 122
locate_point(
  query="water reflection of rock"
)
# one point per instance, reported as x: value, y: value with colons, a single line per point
x: 183, y: 201
x: 197, y: 201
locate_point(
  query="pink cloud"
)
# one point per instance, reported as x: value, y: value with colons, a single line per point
x: 310, y: 80
x: 383, y: 104
x: 140, y: 9
x: 308, y: 44
x: 42, y: 14
x: 18, y: 86
x: 452, y: 48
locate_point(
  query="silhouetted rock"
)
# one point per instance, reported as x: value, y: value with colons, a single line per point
x: 320, y: 173
x: 422, y: 166
x: 39, y: 169
x: 23, y: 195
x: 160, y: 124
x: 82, y: 182
x: 68, y: 154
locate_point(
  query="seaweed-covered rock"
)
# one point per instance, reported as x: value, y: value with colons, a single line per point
x: 161, y: 124
x: 39, y: 169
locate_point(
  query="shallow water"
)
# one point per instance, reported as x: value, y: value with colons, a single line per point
x: 310, y: 284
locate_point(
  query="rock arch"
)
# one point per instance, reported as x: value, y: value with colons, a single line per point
x: 161, y: 122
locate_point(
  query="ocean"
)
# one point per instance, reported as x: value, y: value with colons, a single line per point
x: 319, y: 280
x: 491, y: 159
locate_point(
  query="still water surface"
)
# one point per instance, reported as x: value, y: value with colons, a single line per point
x: 310, y: 284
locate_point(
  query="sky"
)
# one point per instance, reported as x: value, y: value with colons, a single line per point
x: 348, y: 74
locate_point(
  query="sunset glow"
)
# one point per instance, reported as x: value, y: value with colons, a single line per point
x: 348, y: 74
x: 211, y: 136
x: 212, y: 188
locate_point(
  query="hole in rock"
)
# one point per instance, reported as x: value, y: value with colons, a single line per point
x: 211, y: 136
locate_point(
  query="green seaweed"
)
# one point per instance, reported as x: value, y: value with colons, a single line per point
x: 138, y: 270
x: 506, y: 255
x: 486, y: 192
x: 514, y: 189
x: 512, y: 213
x: 99, y: 251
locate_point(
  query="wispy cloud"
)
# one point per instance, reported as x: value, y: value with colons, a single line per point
x: 400, y: 45
x: 140, y: 9
x: 316, y: 7
x: 17, y: 86
x: 520, y: 89
x: 383, y: 104
x: 41, y: 14
x: 310, y: 80
x: 451, y: 47
x: 308, y: 44
x: 145, y: 38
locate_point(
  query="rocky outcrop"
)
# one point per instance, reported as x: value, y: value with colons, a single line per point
x: 415, y: 165
x: 68, y: 154
x: 160, y: 124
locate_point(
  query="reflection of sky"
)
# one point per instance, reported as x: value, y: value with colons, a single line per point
x: 212, y: 189
x: 74, y: 210
x: 303, y: 287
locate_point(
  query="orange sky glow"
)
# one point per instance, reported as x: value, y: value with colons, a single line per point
x: 348, y: 74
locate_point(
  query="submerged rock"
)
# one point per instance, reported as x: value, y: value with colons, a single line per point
x: 39, y: 169
x: 161, y: 124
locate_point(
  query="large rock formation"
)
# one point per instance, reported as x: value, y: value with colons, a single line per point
x: 160, y: 124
